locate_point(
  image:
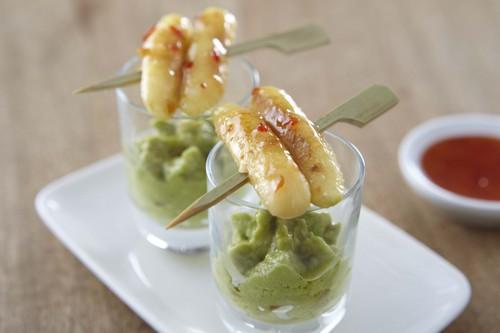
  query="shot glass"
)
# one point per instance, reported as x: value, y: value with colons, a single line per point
x: 165, y: 161
x: 276, y: 275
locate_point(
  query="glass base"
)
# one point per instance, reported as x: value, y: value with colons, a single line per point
x: 236, y: 322
x: 177, y: 240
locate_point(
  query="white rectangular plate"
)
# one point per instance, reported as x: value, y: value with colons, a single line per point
x: 399, y: 285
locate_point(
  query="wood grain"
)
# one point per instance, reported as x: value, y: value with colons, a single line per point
x: 441, y: 56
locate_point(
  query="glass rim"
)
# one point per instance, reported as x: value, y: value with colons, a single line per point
x: 347, y: 194
x: 124, y: 98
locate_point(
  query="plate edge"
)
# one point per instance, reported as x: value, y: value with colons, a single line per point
x: 40, y: 198
x: 466, y: 286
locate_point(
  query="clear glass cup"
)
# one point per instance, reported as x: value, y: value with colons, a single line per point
x: 283, y: 276
x: 165, y: 160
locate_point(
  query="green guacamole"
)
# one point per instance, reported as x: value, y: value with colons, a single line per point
x: 283, y: 271
x: 166, y: 168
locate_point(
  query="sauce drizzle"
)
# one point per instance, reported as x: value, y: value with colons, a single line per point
x: 215, y: 56
x: 468, y: 165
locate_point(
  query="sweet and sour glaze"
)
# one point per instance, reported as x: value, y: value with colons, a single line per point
x: 257, y: 151
x: 309, y: 150
x: 183, y: 66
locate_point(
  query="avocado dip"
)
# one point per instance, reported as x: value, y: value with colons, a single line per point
x: 166, y: 168
x: 283, y: 271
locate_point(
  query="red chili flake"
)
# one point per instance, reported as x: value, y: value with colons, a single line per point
x: 291, y: 121
x: 262, y: 127
x: 188, y: 64
x: 203, y: 85
x: 255, y: 91
x: 215, y: 56
x: 176, y: 31
x: 148, y: 33
x: 281, y: 182
x: 315, y: 168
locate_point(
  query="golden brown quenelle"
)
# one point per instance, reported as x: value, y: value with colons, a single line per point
x: 283, y: 189
x: 309, y: 150
x: 205, y: 69
x: 163, y: 53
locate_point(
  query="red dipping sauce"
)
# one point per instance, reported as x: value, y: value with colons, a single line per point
x: 468, y: 165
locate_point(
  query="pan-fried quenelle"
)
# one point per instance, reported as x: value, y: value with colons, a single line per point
x: 276, y: 178
x: 163, y: 53
x: 205, y: 69
x: 312, y: 154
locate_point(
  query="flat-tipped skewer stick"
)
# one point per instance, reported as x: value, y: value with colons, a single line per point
x: 359, y: 111
x: 303, y: 38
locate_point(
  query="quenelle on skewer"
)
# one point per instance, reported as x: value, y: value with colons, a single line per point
x: 205, y: 69
x: 163, y: 53
x: 309, y: 150
x: 257, y: 151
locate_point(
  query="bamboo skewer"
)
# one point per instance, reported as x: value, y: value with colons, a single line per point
x: 303, y: 38
x: 359, y: 111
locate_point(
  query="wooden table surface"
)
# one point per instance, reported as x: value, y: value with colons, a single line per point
x: 440, y: 56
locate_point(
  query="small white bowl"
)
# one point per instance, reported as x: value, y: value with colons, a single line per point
x: 466, y: 210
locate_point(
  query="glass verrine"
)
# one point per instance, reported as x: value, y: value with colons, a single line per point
x: 165, y: 160
x: 277, y: 275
